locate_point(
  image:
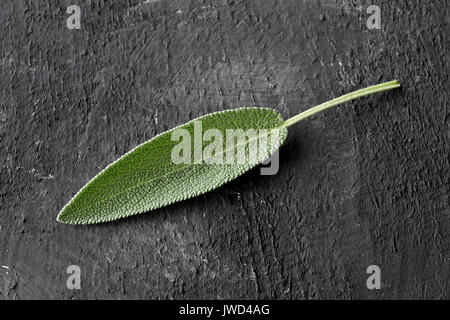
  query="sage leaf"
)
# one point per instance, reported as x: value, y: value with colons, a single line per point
x: 160, y: 172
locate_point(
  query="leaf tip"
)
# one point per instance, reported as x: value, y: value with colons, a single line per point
x: 62, y: 218
x: 65, y: 217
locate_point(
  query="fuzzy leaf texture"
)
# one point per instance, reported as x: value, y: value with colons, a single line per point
x: 146, y: 178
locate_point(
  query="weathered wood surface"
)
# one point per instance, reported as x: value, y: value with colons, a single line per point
x: 364, y: 184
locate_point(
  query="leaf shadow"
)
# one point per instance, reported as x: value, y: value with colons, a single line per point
x: 289, y: 153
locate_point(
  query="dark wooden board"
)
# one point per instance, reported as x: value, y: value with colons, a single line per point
x: 363, y: 184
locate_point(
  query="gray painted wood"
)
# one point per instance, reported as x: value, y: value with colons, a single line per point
x: 364, y: 184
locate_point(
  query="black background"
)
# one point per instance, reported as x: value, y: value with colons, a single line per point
x: 366, y: 183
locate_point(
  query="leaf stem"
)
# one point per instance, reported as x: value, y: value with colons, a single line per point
x: 346, y: 97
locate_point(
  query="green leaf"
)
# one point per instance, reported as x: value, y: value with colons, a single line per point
x: 148, y: 178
